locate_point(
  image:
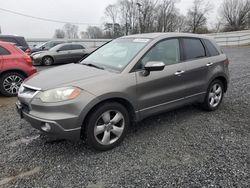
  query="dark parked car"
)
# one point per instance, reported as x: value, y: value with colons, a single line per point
x: 15, y: 66
x: 47, y: 45
x: 61, y: 54
x: 19, y: 41
x: 126, y: 80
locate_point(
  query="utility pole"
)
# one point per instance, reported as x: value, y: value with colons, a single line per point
x: 139, y: 16
x: 0, y: 30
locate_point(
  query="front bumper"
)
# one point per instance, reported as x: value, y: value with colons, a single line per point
x: 62, y: 119
x: 36, y: 61
x: 50, y: 127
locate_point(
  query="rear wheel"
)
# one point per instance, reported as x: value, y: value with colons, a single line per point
x: 10, y: 83
x: 106, y: 126
x: 214, y: 96
x: 47, y: 60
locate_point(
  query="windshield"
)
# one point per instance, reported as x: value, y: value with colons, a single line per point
x: 117, y: 54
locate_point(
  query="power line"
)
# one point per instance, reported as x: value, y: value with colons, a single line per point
x: 45, y: 19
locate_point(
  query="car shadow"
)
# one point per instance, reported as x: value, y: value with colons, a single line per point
x: 163, y: 120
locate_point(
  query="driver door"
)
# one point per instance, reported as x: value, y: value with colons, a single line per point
x: 161, y: 89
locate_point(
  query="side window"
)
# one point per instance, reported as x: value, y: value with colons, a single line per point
x: 193, y: 48
x: 12, y: 40
x: 77, y: 47
x: 55, y: 43
x: 66, y: 47
x: 166, y: 51
x: 4, y: 51
x: 211, y: 48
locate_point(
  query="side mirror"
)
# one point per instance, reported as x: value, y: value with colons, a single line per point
x: 43, y: 47
x: 153, y: 66
x: 58, y: 50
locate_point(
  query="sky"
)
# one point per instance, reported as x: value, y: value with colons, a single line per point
x: 84, y: 11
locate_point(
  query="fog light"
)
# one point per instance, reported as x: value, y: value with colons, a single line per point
x: 46, y: 127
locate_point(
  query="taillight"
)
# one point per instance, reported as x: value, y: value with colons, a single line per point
x: 226, y: 62
x: 27, y: 51
x: 28, y: 60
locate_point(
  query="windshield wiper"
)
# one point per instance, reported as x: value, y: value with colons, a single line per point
x: 93, y: 65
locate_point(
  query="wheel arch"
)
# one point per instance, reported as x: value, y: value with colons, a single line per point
x: 48, y: 56
x: 13, y: 70
x: 126, y: 103
x: 223, y: 78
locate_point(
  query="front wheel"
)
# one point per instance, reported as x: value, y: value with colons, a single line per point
x: 10, y: 83
x: 47, y: 61
x: 107, y: 126
x: 214, y: 96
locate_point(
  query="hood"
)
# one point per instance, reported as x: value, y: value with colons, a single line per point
x: 64, y: 75
x: 38, y: 52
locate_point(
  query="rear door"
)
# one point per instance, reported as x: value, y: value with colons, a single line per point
x: 197, y: 63
x: 77, y: 52
x: 4, y: 57
x: 161, y: 89
x: 64, y: 55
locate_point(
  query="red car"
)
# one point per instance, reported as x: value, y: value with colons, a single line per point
x: 15, y: 66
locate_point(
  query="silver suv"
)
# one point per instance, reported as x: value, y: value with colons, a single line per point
x: 124, y: 81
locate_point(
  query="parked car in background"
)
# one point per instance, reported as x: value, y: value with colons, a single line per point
x: 47, y: 45
x: 19, y: 41
x: 125, y: 81
x: 15, y: 66
x: 61, y: 54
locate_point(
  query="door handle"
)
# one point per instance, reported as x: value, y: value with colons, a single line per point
x: 179, y: 73
x: 209, y: 64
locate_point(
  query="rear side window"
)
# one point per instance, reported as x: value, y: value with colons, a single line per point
x: 12, y: 40
x: 66, y: 47
x: 4, y: 51
x: 77, y: 47
x: 211, y: 48
x: 193, y: 48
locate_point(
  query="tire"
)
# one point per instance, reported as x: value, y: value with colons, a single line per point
x: 100, y: 133
x: 47, y: 60
x: 214, y: 96
x: 10, y: 83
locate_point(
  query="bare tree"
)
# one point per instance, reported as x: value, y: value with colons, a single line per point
x: 94, y: 32
x: 196, y: 17
x: 71, y: 31
x: 111, y: 12
x: 59, y: 34
x: 165, y: 16
x: 236, y: 14
x: 146, y: 16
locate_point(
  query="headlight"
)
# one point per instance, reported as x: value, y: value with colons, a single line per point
x: 59, y: 94
x: 36, y: 56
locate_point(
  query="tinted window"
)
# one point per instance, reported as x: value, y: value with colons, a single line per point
x: 193, y: 48
x: 10, y: 40
x: 77, y: 47
x: 66, y: 47
x: 211, y: 49
x: 166, y: 51
x: 4, y: 51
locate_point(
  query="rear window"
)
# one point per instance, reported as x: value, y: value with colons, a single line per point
x: 77, y: 47
x: 66, y: 47
x: 4, y: 51
x: 193, y: 48
x: 211, y: 48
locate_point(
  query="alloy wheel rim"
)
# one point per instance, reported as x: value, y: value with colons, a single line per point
x: 12, y: 83
x: 109, y: 127
x: 47, y: 61
x: 215, y: 95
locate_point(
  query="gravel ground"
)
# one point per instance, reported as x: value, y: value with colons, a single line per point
x: 183, y: 148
